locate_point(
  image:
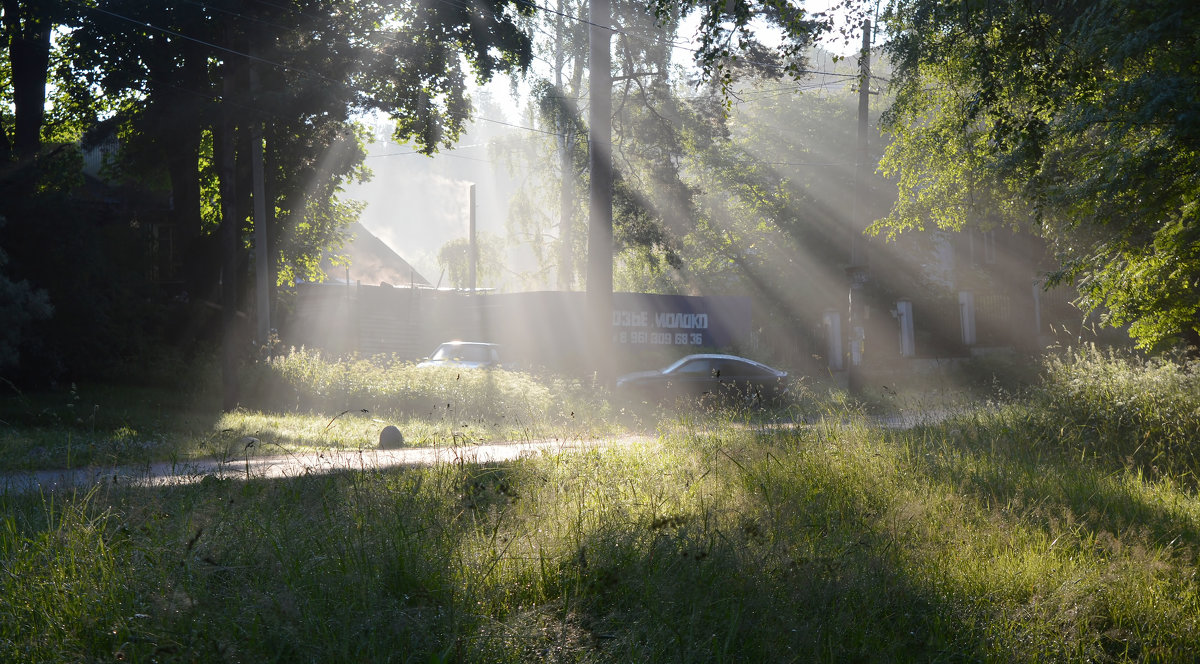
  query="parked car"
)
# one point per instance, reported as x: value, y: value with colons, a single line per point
x: 464, y: 355
x: 726, y: 378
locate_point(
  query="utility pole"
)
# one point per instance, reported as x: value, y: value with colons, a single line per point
x: 600, y: 223
x: 472, y: 244
x: 856, y: 271
x: 566, y: 160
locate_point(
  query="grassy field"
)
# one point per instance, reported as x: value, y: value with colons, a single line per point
x: 297, y: 403
x: 1061, y: 525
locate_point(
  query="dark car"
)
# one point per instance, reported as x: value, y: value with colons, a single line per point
x: 464, y: 355
x: 725, y: 378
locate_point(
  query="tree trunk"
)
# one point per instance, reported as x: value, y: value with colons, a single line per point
x: 269, y: 161
x: 244, y: 206
x: 224, y: 149
x: 183, y: 111
x: 29, y: 60
x: 566, y: 201
x: 184, y: 157
x: 183, y: 166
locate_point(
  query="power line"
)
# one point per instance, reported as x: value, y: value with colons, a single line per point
x: 448, y: 153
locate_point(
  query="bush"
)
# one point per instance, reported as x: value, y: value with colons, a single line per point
x: 1143, y: 411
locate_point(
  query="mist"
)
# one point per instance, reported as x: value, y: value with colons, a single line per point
x: 775, y: 212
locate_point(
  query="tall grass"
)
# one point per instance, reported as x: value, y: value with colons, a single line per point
x: 102, y: 425
x: 989, y: 536
x: 1123, y: 409
x: 296, y: 402
x: 302, y: 381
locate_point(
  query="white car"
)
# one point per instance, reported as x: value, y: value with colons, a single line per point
x: 464, y: 355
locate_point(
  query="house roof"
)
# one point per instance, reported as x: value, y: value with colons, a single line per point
x: 371, y: 262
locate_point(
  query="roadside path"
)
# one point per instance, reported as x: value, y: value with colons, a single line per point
x: 310, y: 463
x: 291, y: 465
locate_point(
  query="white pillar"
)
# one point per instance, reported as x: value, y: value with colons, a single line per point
x: 832, y: 322
x: 908, y: 346
x: 966, y: 316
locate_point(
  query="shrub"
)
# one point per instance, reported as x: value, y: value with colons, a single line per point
x: 1143, y: 411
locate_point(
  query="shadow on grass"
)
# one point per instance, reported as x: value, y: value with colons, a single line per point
x: 724, y: 546
x: 1087, y: 542
x: 1051, y: 485
x: 101, y: 425
x: 533, y: 560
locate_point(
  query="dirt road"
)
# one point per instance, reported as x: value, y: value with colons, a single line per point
x: 292, y: 465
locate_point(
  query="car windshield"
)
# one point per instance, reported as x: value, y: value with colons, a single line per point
x: 688, y: 365
x: 465, y: 352
x: 699, y: 367
x: 718, y: 366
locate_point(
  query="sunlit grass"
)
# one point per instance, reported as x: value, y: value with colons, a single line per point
x: 300, y: 402
x: 295, y: 403
x: 986, y: 536
x: 1126, y: 410
x: 977, y: 538
x: 303, y: 381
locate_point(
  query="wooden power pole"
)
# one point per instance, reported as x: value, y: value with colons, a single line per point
x: 857, y: 270
x: 600, y: 222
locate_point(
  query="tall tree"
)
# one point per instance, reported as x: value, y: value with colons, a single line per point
x: 1082, y: 116
x: 175, y: 89
x: 27, y: 25
x: 454, y: 258
x: 559, y: 107
x: 320, y: 62
x: 650, y: 200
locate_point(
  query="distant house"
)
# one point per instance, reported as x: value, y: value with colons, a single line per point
x: 375, y: 303
x: 371, y: 263
x: 945, y: 295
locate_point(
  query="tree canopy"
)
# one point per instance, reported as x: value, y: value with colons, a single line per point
x: 184, y: 89
x: 1079, y: 117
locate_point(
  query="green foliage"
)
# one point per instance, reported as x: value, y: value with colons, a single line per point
x: 1081, y: 116
x: 729, y: 47
x: 650, y: 201
x: 658, y: 126
x: 455, y: 258
x: 312, y: 76
x: 177, y: 85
